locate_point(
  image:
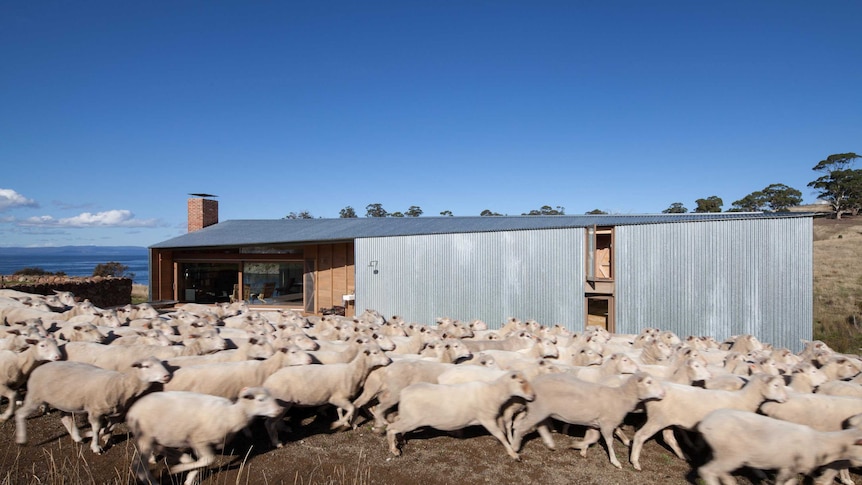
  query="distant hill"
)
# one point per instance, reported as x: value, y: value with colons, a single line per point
x: 73, y: 250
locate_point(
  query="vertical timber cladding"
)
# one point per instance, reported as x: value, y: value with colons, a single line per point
x: 491, y: 276
x: 718, y: 278
x: 161, y: 275
x: 335, y: 275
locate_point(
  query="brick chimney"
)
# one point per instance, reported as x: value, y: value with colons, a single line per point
x: 202, y: 213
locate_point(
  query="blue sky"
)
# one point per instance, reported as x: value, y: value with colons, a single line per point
x: 112, y: 112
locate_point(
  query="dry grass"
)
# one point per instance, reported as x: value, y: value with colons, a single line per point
x: 140, y: 294
x: 838, y: 283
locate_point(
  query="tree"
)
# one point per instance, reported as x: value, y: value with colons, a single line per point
x: 112, y: 268
x: 752, y: 202
x: 413, y: 211
x: 347, y: 213
x: 396, y: 214
x: 446, y: 213
x: 839, y: 185
x: 712, y: 203
x: 375, y: 210
x: 778, y: 197
x: 595, y: 212
x: 299, y: 215
x: 488, y: 213
x: 675, y: 208
x: 547, y: 210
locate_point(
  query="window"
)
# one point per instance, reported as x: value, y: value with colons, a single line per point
x: 600, y: 252
x: 207, y: 282
x: 273, y: 283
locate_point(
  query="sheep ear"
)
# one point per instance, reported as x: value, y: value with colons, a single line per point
x: 858, y: 443
x: 137, y: 364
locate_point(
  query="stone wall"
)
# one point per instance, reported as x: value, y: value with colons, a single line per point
x: 104, y: 292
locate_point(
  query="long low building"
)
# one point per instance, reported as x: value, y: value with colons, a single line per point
x: 717, y: 274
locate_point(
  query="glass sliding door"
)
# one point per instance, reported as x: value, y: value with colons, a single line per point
x: 273, y: 283
x: 207, y: 282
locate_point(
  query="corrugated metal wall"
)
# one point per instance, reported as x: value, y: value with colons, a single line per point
x: 491, y: 276
x: 718, y: 278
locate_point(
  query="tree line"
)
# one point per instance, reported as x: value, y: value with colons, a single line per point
x: 839, y: 184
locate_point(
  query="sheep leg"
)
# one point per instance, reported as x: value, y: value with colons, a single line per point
x: 392, y: 433
x: 590, y: 437
x: 785, y: 477
x: 12, y: 396
x: 345, y: 410
x: 608, y: 436
x: 494, y: 429
x: 622, y: 436
x: 544, y: 429
x: 139, y: 465
x: 271, y: 425
x: 206, y: 457
x: 71, y: 426
x: 528, y: 423
x: 96, y: 427
x: 646, y: 432
x: 21, y: 421
x: 669, y: 438
x: 710, y: 473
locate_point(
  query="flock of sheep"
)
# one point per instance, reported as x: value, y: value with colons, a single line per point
x: 213, y: 369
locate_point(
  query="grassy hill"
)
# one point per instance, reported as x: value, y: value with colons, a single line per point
x: 838, y: 282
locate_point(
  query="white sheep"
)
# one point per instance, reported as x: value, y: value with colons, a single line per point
x: 251, y: 349
x: 76, y: 387
x: 316, y: 385
x: 684, y: 406
x: 575, y: 401
x: 454, y: 407
x: 743, y: 438
x: 16, y: 367
x: 191, y: 421
x: 227, y: 379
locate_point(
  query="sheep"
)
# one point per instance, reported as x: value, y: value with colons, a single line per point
x: 121, y: 357
x: 579, y: 356
x: 575, y: 401
x: 684, y: 406
x: 518, y: 341
x: 805, y: 378
x: 386, y: 383
x: 187, y: 420
x: 226, y: 379
x: 75, y: 387
x: 16, y: 367
x: 617, y: 364
x: 316, y: 385
x: 80, y: 332
x: 506, y: 358
x: 152, y: 336
x: 840, y: 388
x: 802, y: 450
x: 252, y: 349
x: 454, y: 407
x: 838, y: 367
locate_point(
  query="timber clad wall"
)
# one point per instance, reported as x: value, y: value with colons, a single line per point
x: 334, y: 275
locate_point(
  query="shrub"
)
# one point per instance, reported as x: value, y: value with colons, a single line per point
x: 112, y: 268
x: 32, y: 271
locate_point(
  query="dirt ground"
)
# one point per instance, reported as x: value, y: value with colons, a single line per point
x: 315, y: 455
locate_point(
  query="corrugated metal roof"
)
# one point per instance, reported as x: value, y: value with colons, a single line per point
x: 290, y: 231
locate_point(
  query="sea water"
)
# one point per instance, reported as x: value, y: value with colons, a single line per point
x: 76, y: 264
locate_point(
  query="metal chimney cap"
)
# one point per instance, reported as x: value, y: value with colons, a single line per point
x: 204, y: 195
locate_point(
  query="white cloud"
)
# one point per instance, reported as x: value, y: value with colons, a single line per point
x: 111, y: 218
x: 10, y: 199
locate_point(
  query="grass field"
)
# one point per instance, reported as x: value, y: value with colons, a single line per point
x: 838, y: 283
